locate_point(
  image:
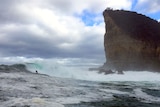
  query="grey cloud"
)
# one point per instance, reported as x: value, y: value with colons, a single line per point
x: 24, y: 42
x: 9, y: 13
x: 62, y: 5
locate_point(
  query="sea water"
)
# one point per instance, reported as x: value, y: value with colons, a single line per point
x: 78, y: 69
x: 132, y: 89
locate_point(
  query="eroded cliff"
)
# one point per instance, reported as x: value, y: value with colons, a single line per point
x: 131, y: 41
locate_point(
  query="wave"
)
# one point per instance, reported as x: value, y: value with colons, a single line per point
x: 64, y: 70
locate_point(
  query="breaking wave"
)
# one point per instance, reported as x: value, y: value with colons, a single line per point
x: 80, y: 71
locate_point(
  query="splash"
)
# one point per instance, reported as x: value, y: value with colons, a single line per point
x: 75, y: 69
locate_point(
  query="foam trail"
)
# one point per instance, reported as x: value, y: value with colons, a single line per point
x: 66, y: 70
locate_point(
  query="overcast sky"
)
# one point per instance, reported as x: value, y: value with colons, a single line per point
x: 60, y: 28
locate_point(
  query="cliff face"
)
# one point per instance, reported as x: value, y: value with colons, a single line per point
x: 131, y: 41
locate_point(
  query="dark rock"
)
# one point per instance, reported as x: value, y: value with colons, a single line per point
x: 120, y: 72
x: 106, y: 71
x: 131, y: 41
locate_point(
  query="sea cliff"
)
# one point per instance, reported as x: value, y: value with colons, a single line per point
x: 131, y: 42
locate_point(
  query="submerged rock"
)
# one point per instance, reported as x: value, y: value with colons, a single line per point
x: 131, y: 41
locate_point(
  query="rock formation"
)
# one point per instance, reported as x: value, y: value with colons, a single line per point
x: 131, y: 41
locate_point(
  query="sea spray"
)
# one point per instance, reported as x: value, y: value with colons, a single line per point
x: 71, y: 69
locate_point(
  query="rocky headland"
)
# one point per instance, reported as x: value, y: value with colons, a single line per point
x: 131, y: 42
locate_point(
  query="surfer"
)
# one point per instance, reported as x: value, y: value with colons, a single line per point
x: 36, y: 72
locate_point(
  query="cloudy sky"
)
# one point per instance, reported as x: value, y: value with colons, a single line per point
x: 60, y: 28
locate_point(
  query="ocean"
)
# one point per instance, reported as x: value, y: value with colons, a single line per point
x: 71, y: 84
x: 77, y: 69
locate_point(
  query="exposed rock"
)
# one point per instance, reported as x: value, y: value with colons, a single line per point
x: 131, y: 41
x: 106, y: 71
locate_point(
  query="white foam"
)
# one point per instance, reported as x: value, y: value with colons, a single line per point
x: 114, y: 91
x: 34, y: 102
x: 69, y: 69
x: 148, y: 98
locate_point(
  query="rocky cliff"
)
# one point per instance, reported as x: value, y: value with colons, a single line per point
x: 131, y: 41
